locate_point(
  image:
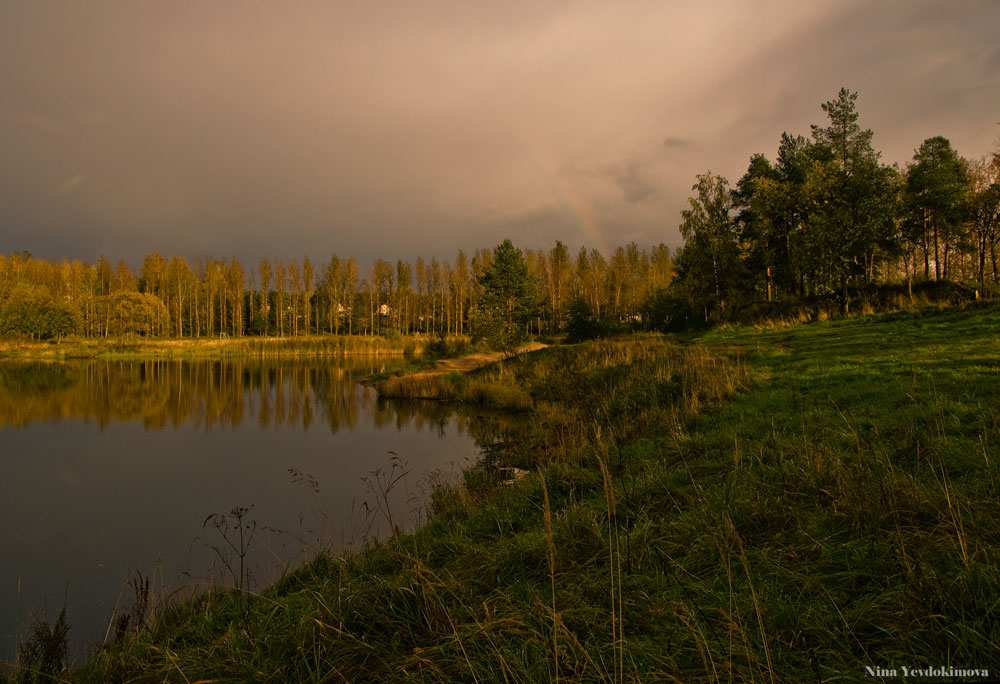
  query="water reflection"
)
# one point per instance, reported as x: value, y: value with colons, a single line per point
x: 204, y: 394
x: 112, y: 467
x: 162, y: 393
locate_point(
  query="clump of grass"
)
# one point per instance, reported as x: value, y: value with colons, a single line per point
x: 496, y: 394
x: 134, y: 619
x: 418, y: 386
x: 42, y: 655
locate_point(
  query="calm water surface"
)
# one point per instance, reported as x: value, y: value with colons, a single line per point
x: 111, y: 468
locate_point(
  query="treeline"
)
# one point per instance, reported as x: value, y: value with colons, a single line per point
x: 207, y: 297
x: 826, y: 217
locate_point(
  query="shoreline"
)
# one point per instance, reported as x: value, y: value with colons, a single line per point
x: 142, y: 348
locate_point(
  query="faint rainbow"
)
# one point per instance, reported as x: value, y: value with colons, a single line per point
x: 575, y: 207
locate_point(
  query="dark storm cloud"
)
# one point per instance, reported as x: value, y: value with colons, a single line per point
x: 633, y: 181
x: 394, y: 129
x: 673, y: 142
x: 917, y: 67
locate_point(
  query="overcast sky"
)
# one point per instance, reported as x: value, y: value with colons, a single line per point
x: 397, y: 129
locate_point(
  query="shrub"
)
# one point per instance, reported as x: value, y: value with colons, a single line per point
x: 438, y: 348
x: 34, y: 312
x: 42, y: 654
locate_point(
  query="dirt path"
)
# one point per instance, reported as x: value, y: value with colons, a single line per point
x: 474, y: 361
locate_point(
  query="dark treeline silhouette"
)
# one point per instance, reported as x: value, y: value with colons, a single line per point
x: 827, y: 218
x: 174, y: 297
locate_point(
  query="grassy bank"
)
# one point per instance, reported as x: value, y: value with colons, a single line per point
x: 777, y: 505
x: 137, y: 347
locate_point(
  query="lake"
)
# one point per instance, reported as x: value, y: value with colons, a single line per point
x: 116, y: 471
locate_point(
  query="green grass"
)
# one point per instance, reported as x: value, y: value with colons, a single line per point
x: 777, y: 505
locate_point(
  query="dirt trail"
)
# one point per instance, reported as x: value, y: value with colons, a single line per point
x: 474, y: 361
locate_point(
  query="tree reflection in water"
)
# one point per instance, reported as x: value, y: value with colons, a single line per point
x: 207, y: 394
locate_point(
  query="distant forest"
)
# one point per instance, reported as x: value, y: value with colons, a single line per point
x: 825, y: 219
x: 173, y: 297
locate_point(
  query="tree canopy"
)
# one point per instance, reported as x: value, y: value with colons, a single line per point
x: 31, y: 310
x: 936, y: 185
x: 709, y: 267
x: 828, y: 217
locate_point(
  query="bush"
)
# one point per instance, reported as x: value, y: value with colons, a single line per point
x: 438, y: 348
x: 664, y: 312
x: 34, y: 312
x: 43, y: 653
x: 581, y: 325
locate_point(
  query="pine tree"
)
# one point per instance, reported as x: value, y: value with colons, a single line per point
x: 507, y: 300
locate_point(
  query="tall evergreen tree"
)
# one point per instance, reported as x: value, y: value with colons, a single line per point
x: 507, y: 300
x: 759, y: 227
x: 851, y: 146
x: 851, y: 214
x: 936, y: 185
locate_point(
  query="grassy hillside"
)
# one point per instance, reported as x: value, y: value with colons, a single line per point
x: 778, y: 505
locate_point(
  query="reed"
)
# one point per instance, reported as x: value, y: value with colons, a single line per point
x: 551, y: 558
x: 134, y: 347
